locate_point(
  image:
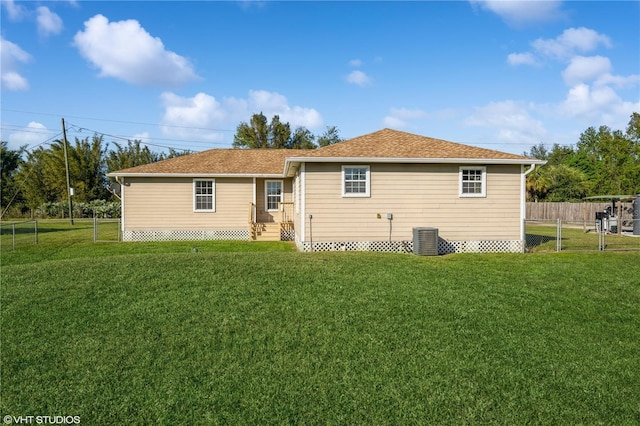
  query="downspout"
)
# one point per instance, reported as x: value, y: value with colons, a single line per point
x: 523, y: 206
x: 303, y: 204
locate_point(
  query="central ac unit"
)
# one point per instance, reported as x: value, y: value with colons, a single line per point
x: 425, y: 241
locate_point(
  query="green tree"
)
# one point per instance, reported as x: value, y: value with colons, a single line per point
x: 132, y: 155
x: 87, y: 169
x: 604, y: 161
x: 302, y: 138
x: 259, y: 133
x: 539, y: 151
x: 330, y: 136
x: 537, y: 185
x: 565, y: 183
x: 10, y: 162
x: 279, y: 134
x: 255, y: 134
x: 609, y: 159
x: 44, y: 178
x: 36, y: 185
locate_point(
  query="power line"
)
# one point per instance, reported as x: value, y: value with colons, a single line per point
x: 125, y: 138
x: 79, y: 129
x: 120, y: 121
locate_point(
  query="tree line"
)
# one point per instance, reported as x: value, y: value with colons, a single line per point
x: 603, y: 162
x: 34, y: 183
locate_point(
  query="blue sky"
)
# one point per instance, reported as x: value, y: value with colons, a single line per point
x: 505, y: 75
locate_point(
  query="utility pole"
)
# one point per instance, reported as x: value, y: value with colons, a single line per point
x: 66, y: 165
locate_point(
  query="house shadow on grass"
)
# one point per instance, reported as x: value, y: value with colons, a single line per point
x: 536, y: 240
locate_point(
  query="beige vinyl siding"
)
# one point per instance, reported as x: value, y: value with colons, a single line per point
x: 165, y: 203
x: 417, y: 195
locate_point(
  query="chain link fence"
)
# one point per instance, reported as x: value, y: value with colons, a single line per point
x: 559, y: 235
x: 15, y: 234
x: 106, y: 230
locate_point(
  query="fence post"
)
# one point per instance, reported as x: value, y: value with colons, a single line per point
x: 13, y: 234
x: 35, y: 231
x: 601, y: 234
x: 559, y: 235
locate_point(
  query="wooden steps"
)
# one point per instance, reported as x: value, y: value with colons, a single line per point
x: 267, y: 231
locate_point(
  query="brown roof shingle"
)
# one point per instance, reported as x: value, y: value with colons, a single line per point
x: 385, y: 143
x: 220, y: 161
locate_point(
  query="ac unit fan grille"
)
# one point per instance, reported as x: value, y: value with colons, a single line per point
x: 425, y: 241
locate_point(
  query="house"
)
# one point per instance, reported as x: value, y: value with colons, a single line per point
x: 365, y: 193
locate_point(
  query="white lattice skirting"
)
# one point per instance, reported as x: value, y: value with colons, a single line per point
x: 444, y: 247
x: 233, y: 234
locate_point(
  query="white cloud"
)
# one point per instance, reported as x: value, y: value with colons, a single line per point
x: 409, y: 114
x: 400, y: 118
x: 11, y: 56
x: 33, y: 134
x: 126, y: 51
x: 15, y: 12
x: 600, y: 104
x: 522, y: 12
x: 198, y: 117
x: 359, y: 78
x: 582, y: 101
x: 521, y: 59
x: 192, y: 118
x: 511, y: 121
x: 582, y: 69
x: 48, y: 22
x: 355, y: 63
x: 618, y: 80
x: 394, y: 122
x: 571, y: 42
x: 591, y: 96
x: 415, y: 119
x: 272, y: 103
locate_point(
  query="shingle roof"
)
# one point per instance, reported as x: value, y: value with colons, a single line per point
x: 220, y: 161
x: 385, y: 143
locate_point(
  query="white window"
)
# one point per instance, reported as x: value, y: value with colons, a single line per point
x: 473, y: 181
x: 273, y: 194
x: 204, y: 195
x: 356, y: 181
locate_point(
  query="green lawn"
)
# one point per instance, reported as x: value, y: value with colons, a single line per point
x: 542, y: 238
x: 252, y: 333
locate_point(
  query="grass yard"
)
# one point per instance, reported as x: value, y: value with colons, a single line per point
x: 253, y: 333
x: 542, y: 238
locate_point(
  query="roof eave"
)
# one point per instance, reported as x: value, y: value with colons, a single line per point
x: 197, y: 175
x: 524, y: 161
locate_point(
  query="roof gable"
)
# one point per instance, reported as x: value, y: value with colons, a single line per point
x: 387, y: 143
x: 383, y: 145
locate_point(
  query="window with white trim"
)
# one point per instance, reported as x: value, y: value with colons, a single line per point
x: 356, y: 181
x: 473, y: 181
x: 204, y: 195
x: 273, y: 194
